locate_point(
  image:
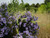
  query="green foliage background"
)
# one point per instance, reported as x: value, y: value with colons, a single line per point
x: 14, y: 6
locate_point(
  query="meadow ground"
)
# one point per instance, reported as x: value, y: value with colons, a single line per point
x: 44, y: 24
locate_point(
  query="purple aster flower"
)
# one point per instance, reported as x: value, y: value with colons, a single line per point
x: 2, y: 29
x: 10, y: 17
x: 13, y: 17
x: 12, y: 27
x: 27, y: 32
x: 1, y: 9
x: 26, y: 28
x: 30, y: 33
x: 20, y: 37
x: 31, y: 36
x: 10, y: 22
x: 29, y: 12
x: 26, y: 20
x: 4, y: 20
x: 35, y: 27
x: 20, y: 23
x: 37, y: 18
x: 34, y: 18
x: 1, y: 19
x: 5, y: 8
x: 15, y: 37
x: 36, y: 24
x: 6, y: 14
x: 24, y: 25
x: 6, y: 33
x: 5, y: 27
x: 1, y: 35
x: 18, y: 16
x: 31, y: 24
x: 12, y: 31
x: 16, y: 26
x: 26, y: 14
x: 0, y: 15
x: 24, y: 31
x: 1, y: 23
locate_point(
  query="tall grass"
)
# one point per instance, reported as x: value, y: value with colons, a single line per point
x: 44, y: 24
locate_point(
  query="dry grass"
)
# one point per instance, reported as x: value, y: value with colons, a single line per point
x: 44, y: 23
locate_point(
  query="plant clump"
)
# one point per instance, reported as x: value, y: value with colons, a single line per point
x: 25, y: 27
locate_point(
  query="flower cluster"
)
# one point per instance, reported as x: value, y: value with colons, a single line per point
x: 27, y: 28
x: 8, y: 23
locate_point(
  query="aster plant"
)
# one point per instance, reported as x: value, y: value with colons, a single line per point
x: 25, y: 27
x: 28, y: 27
x: 8, y: 24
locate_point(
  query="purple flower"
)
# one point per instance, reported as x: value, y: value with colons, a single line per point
x: 6, y: 14
x: 24, y: 16
x: 31, y: 24
x: 16, y: 26
x: 31, y: 36
x: 1, y: 9
x: 1, y: 35
x: 37, y: 18
x: 18, y: 16
x: 20, y: 23
x: 26, y: 28
x: 28, y: 19
x: 30, y: 33
x: 34, y: 18
x: 10, y: 22
x: 6, y: 33
x: 27, y: 32
x: 24, y: 25
x: 29, y: 12
x: 4, y: 20
x: 36, y: 24
x: 5, y: 27
x: 24, y: 31
x: 10, y: 17
x: 0, y: 15
x: 13, y: 17
x: 7, y: 23
x: 20, y: 37
x: 12, y: 26
x: 12, y: 31
x: 5, y: 8
x: 35, y: 27
x: 2, y: 29
x: 15, y: 37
